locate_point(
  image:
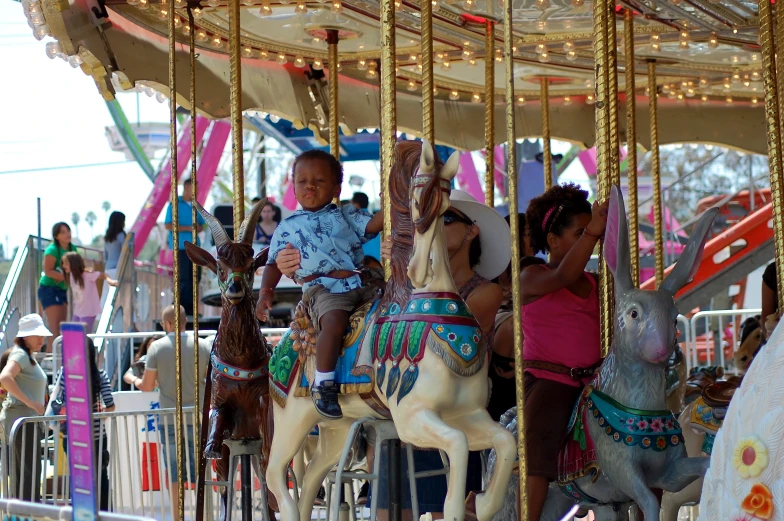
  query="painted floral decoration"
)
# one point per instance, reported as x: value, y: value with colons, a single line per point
x: 759, y: 502
x: 750, y: 457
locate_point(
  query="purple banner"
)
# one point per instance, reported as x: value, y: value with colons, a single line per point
x: 79, y: 420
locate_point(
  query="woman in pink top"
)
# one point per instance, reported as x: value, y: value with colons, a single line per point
x: 86, y: 300
x: 560, y: 325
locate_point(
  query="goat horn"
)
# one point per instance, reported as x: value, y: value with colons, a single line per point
x: 219, y: 235
x: 248, y: 227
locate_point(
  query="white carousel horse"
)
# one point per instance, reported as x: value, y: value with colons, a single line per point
x: 434, y: 387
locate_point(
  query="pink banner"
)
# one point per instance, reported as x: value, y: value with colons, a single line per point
x: 210, y: 158
x: 500, y: 171
x: 152, y: 208
x: 468, y: 177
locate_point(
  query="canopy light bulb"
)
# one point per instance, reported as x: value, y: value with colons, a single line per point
x: 567, y: 100
x: 754, y: 100
x: 571, y: 56
x: 520, y: 101
x: 52, y: 50
x: 577, y: 3
x: 411, y: 86
x: 590, y: 99
x: 362, y: 64
x: 713, y: 41
x: 371, y: 74
x: 301, y: 8
x: 216, y: 42
x: 446, y: 65
x: 476, y: 98
x: 337, y: 7
x: 454, y: 95
x: 197, y: 12
x: 201, y: 35
x: 466, y: 55
x: 471, y: 62
x: 282, y: 58
x: 755, y: 76
x: 542, y: 4
x: 318, y: 65
x: 728, y: 99
x: 544, y: 57
x: 299, y: 62
x: 568, y: 46
x: 704, y: 98
x: 266, y: 9
x: 247, y: 52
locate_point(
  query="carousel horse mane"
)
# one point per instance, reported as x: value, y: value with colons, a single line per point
x: 407, y: 156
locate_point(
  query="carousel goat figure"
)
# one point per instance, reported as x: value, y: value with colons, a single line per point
x: 237, y: 385
x: 623, y: 442
x: 415, y: 357
x: 702, y: 419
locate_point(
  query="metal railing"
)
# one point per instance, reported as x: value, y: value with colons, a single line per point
x: 136, y: 450
x: 692, y: 344
x: 14, y: 508
x: 118, y: 350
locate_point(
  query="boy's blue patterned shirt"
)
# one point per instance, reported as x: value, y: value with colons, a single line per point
x: 328, y: 239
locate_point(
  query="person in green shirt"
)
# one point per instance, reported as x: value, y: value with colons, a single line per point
x: 52, y: 289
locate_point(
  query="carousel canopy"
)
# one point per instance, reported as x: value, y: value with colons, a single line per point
x: 707, y: 55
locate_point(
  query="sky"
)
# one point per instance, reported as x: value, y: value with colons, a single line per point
x: 53, y: 116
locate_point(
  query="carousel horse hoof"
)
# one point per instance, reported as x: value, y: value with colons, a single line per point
x: 211, y: 453
x: 470, y: 507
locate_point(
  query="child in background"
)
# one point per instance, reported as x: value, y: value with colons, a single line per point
x: 561, y: 326
x: 86, y: 300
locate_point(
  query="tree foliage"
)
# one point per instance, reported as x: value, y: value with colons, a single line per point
x: 726, y: 174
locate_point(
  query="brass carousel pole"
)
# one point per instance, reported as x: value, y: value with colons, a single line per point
x: 603, y: 152
x: 489, y: 113
x: 178, y: 424
x: 428, y: 116
x: 334, y: 122
x: 194, y: 221
x: 631, y: 145
x: 388, y: 114
x: 547, y: 161
x: 235, y: 48
x: 511, y: 170
x: 612, y: 74
x: 772, y: 114
x: 658, y: 221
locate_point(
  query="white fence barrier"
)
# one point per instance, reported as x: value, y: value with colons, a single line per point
x: 136, y: 450
x: 720, y: 316
x: 14, y: 508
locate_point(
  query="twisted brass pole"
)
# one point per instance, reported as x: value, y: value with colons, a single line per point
x: 235, y: 49
x: 489, y: 113
x: 612, y: 69
x: 658, y: 221
x: 544, y: 98
x: 178, y: 424
x: 603, y: 153
x: 631, y: 145
x: 514, y: 222
x: 388, y: 114
x: 334, y: 122
x: 194, y: 223
x: 772, y: 115
x: 428, y: 105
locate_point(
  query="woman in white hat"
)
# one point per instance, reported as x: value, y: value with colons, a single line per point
x: 25, y: 382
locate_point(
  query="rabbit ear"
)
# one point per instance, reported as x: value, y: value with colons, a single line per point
x: 616, y: 243
x: 689, y: 261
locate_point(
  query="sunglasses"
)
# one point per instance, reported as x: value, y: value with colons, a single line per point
x: 451, y: 217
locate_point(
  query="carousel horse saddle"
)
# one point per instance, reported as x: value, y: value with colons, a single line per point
x: 719, y: 394
x: 699, y: 378
x: 293, y: 361
x: 439, y: 322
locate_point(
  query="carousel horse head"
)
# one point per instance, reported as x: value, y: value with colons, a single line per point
x: 430, y: 189
x: 236, y: 264
x: 646, y: 321
x: 750, y: 343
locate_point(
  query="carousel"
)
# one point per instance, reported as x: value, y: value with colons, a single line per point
x: 470, y: 74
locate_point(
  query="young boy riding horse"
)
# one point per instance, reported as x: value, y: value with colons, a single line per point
x: 330, y: 240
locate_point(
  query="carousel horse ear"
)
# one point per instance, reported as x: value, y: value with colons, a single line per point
x: 616, y: 244
x: 426, y: 158
x: 449, y: 171
x: 689, y: 261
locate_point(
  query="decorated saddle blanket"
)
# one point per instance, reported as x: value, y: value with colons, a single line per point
x: 703, y: 419
x: 650, y: 430
x: 440, y: 322
x: 293, y: 363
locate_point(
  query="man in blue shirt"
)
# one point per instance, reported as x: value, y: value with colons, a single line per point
x: 185, y: 219
x: 329, y: 239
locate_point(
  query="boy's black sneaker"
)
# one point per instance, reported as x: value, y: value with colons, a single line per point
x: 325, y: 398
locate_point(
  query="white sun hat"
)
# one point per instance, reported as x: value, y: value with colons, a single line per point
x: 494, y: 234
x: 32, y: 325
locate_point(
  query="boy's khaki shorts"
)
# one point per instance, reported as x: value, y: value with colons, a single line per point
x: 321, y: 301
